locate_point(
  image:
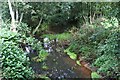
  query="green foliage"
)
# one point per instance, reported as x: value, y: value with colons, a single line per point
x: 81, y: 43
x: 5, y: 24
x: 95, y: 75
x: 74, y: 47
x: 43, y: 55
x: 50, y: 36
x: 110, y: 22
x: 96, y: 42
x: 43, y: 28
x: 100, y: 61
x: 111, y: 45
x: 7, y: 35
x: 110, y: 52
x: 44, y: 77
x: 23, y: 28
x: 35, y: 44
x: 71, y: 54
x: 99, y: 44
x: 78, y: 62
x: 45, y: 67
x: 14, y: 64
x: 62, y: 36
x: 63, y: 15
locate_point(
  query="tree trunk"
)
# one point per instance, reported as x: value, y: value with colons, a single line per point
x: 17, y: 15
x: 37, y: 26
x: 90, y: 17
x: 13, y: 26
x: 21, y: 17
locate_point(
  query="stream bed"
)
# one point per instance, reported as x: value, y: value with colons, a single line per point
x: 60, y: 66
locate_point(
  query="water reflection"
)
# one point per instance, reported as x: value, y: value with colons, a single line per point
x: 47, y: 44
x: 59, y: 65
x: 28, y: 48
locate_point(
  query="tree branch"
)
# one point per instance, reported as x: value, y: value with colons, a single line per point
x: 37, y: 26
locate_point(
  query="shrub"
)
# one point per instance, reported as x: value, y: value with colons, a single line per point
x: 109, y: 55
x: 35, y: 44
x: 100, y: 45
x: 23, y: 28
x: 15, y: 64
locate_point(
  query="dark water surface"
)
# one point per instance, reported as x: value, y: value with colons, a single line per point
x: 60, y: 66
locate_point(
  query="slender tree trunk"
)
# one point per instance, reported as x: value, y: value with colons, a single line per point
x: 0, y: 22
x: 21, y: 17
x: 37, y: 26
x: 90, y: 14
x: 17, y: 15
x: 93, y: 18
x: 13, y: 26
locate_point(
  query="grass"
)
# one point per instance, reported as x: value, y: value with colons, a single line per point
x: 62, y: 36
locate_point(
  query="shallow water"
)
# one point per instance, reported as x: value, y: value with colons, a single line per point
x: 60, y: 66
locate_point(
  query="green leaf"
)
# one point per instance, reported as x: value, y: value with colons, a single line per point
x: 78, y: 62
x: 95, y: 75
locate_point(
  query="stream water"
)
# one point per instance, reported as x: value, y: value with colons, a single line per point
x: 60, y: 66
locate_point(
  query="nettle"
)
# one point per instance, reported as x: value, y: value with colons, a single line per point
x: 14, y: 63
